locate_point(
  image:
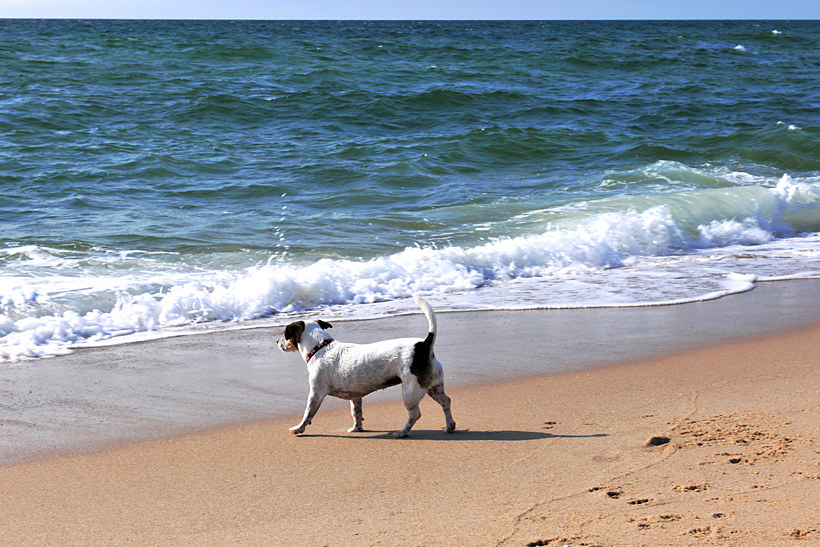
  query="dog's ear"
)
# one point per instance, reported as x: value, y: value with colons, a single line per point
x: 324, y: 324
x: 293, y: 332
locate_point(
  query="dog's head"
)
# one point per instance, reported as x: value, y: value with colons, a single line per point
x: 296, y: 331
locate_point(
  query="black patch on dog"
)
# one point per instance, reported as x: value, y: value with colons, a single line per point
x: 293, y: 332
x: 422, y: 365
x: 324, y: 324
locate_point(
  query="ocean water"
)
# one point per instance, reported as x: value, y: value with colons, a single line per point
x: 164, y: 176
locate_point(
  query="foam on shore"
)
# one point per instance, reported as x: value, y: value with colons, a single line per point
x: 166, y: 387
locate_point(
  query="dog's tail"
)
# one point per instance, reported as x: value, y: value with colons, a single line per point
x: 431, y: 317
x: 423, y: 356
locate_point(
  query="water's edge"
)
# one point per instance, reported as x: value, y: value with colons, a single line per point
x: 101, y: 397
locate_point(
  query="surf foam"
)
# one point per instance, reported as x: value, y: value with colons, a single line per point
x: 663, y: 236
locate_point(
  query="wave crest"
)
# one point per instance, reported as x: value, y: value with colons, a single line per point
x: 46, y: 318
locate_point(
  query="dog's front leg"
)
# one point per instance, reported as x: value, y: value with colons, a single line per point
x: 356, y: 412
x: 313, y: 403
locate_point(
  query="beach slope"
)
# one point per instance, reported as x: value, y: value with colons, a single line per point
x: 715, y: 446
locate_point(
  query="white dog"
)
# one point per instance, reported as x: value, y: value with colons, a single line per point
x: 351, y: 371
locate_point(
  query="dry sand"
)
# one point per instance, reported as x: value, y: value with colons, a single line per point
x: 564, y: 459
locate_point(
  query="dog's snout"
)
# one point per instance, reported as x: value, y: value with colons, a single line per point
x: 286, y: 345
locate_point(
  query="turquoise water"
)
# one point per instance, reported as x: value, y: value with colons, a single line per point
x: 157, y: 175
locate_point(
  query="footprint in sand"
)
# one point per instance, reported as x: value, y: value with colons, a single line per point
x: 746, y: 438
x: 655, y: 521
x: 639, y: 501
x: 607, y: 492
x: 690, y: 487
x: 802, y: 534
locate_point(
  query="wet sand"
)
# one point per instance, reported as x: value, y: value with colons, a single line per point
x: 556, y: 450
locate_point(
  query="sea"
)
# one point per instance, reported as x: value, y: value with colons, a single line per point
x: 164, y: 177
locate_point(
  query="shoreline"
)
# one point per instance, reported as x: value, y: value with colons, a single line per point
x: 110, y: 396
x: 563, y: 459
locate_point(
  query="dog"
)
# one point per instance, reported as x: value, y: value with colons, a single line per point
x: 351, y: 371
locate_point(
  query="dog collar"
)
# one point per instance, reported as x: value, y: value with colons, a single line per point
x: 315, y: 350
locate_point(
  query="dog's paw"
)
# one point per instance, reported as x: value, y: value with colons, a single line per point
x: 297, y: 430
x: 400, y: 434
x: 451, y: 426
x: 355, y: 429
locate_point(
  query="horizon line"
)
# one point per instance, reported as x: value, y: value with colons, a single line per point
x: 333, y: 19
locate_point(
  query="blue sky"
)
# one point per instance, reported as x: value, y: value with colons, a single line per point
x: 413, y: 9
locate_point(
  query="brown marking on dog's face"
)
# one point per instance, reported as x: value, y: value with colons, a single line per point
x: 293, y: 333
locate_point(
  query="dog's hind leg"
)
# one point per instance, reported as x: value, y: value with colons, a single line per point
x: 412, y: 397
x: 438, y: 395
x: 413, y: 415
x: 356, y: 412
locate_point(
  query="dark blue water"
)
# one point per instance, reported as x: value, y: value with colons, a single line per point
x: 158, y: 174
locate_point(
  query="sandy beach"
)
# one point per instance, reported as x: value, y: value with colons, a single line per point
x: 700, y: 429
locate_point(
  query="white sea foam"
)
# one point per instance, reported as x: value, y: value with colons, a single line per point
x: 649, y: 250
